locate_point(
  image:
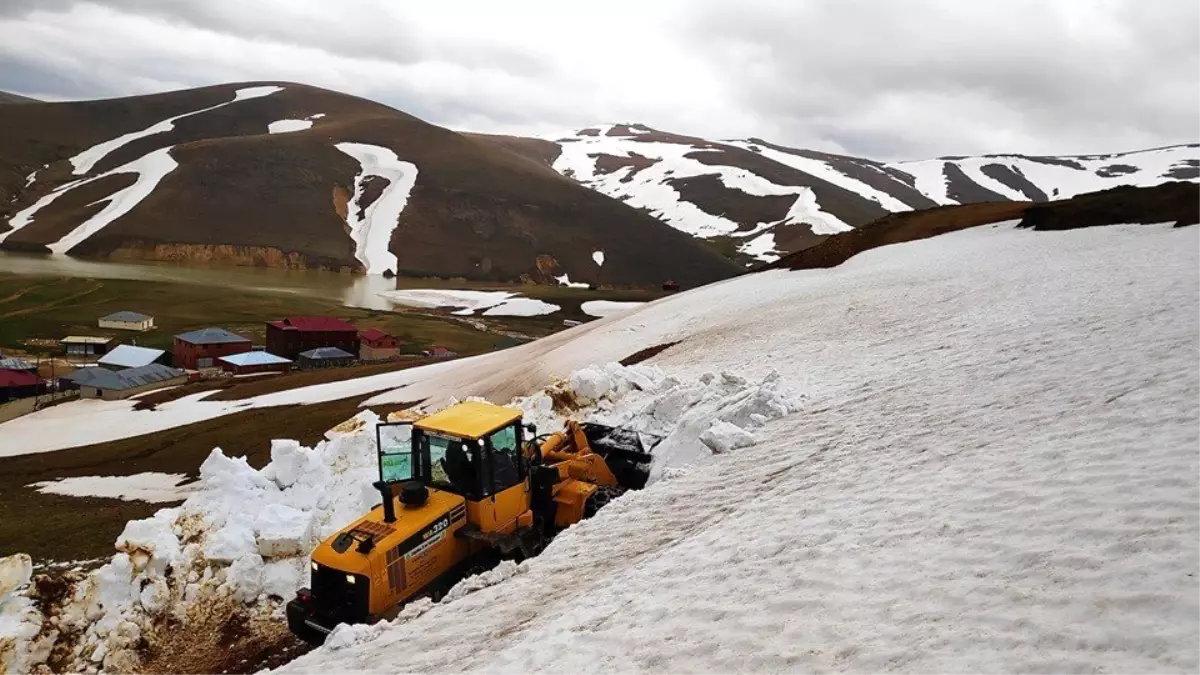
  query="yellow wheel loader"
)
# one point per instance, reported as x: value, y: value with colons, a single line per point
x: 460, y: 490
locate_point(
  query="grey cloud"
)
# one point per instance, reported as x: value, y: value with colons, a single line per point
x: 1046, y: 75
x: 880, y: 79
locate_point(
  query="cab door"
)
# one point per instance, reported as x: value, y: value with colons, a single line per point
x: 504, y: 475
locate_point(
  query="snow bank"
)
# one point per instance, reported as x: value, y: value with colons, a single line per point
x: 149, y: 486
x: 602, y: 308
x: 372, y: 232
x: 494, y: 303
x: 565, y: 280
x: 245, y: 534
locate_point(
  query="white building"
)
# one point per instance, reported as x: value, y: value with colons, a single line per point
x: 127, y: 321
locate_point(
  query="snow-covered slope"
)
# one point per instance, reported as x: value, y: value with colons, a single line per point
x: 371, y: 225
x: 994, y: 469
x: 731, y: 188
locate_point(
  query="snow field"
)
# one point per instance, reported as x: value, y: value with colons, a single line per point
x: 246, y: 533
x: 995, y: 471
x: 288, y: 126
x: 826, y: 172
x: 372, y: 233
x: 493, y: 303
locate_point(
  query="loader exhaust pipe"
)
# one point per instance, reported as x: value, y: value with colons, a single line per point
x: 389, y: 508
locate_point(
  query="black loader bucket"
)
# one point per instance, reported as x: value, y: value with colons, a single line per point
x: 622, y: 449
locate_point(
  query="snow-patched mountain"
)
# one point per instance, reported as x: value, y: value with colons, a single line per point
x: 283, y: 174
x: 768, y: 200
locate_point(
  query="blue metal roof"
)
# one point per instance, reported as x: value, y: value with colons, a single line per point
x: 326, y: 353
x: 254, y: 359
x: 102, y: 378
x: 210, y: 336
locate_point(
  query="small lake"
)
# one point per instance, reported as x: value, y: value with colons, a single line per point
x: 351, y: 290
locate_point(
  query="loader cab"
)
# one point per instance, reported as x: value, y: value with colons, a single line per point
x: 470, y: 449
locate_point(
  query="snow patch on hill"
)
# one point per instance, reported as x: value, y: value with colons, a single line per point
x: 826, y: 172
x: 372, y: 233
x: 648, y: 187
x: 603, y: 308
x: 150, y: 170
x: 86, y: 160
x: 1057, y: 177
x: 288, y: 126
x: 151, y: 486
x: 493, y: 303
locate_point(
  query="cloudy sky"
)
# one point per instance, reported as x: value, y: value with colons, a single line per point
x: 890, y: 79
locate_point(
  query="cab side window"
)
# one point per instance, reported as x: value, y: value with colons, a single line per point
x: 506, y: 466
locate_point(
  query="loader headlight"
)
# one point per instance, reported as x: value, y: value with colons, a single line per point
x: 350, y: 578
x: 314, y: 566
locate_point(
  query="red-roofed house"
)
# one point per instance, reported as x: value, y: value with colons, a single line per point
x: 288, y: 337
x: 376, y: 345
x: 16, y: 384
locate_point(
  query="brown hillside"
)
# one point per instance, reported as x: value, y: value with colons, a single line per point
x: 1176, y: 202
x: 8, y: 97
x: 482, y: 208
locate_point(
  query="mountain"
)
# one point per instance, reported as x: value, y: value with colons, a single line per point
x: 763, y: 200
x: 282, y: 174
x: 8, y: 97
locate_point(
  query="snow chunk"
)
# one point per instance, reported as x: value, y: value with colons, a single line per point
x: 150, y: 486
x: 724, y: 436
x: 372, y: 233
x: 232, y: 541
x: 245, y: 577
x: 282, y: 530
x: 20, y: 622
x: 598, y: 256
x: 288, y: 126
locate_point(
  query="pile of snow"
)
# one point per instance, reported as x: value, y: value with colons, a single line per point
x: 493, y: 303
x: 602, y: 308
x: 20, y: 621
x: 245, y: 534
x: 150, y: 486
x: 372, y: 233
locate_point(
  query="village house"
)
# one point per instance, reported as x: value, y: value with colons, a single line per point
x: 131, y: 356
x: 127, y: 321
x: 376, y: 345
x: 97, y: 382
x: 288, y: 337
x: 16, y: 384
x: 86, y: 345
x: 14, y: 363
x: 325, y: 357
x: 201, y: 348
x: 248, y: 363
